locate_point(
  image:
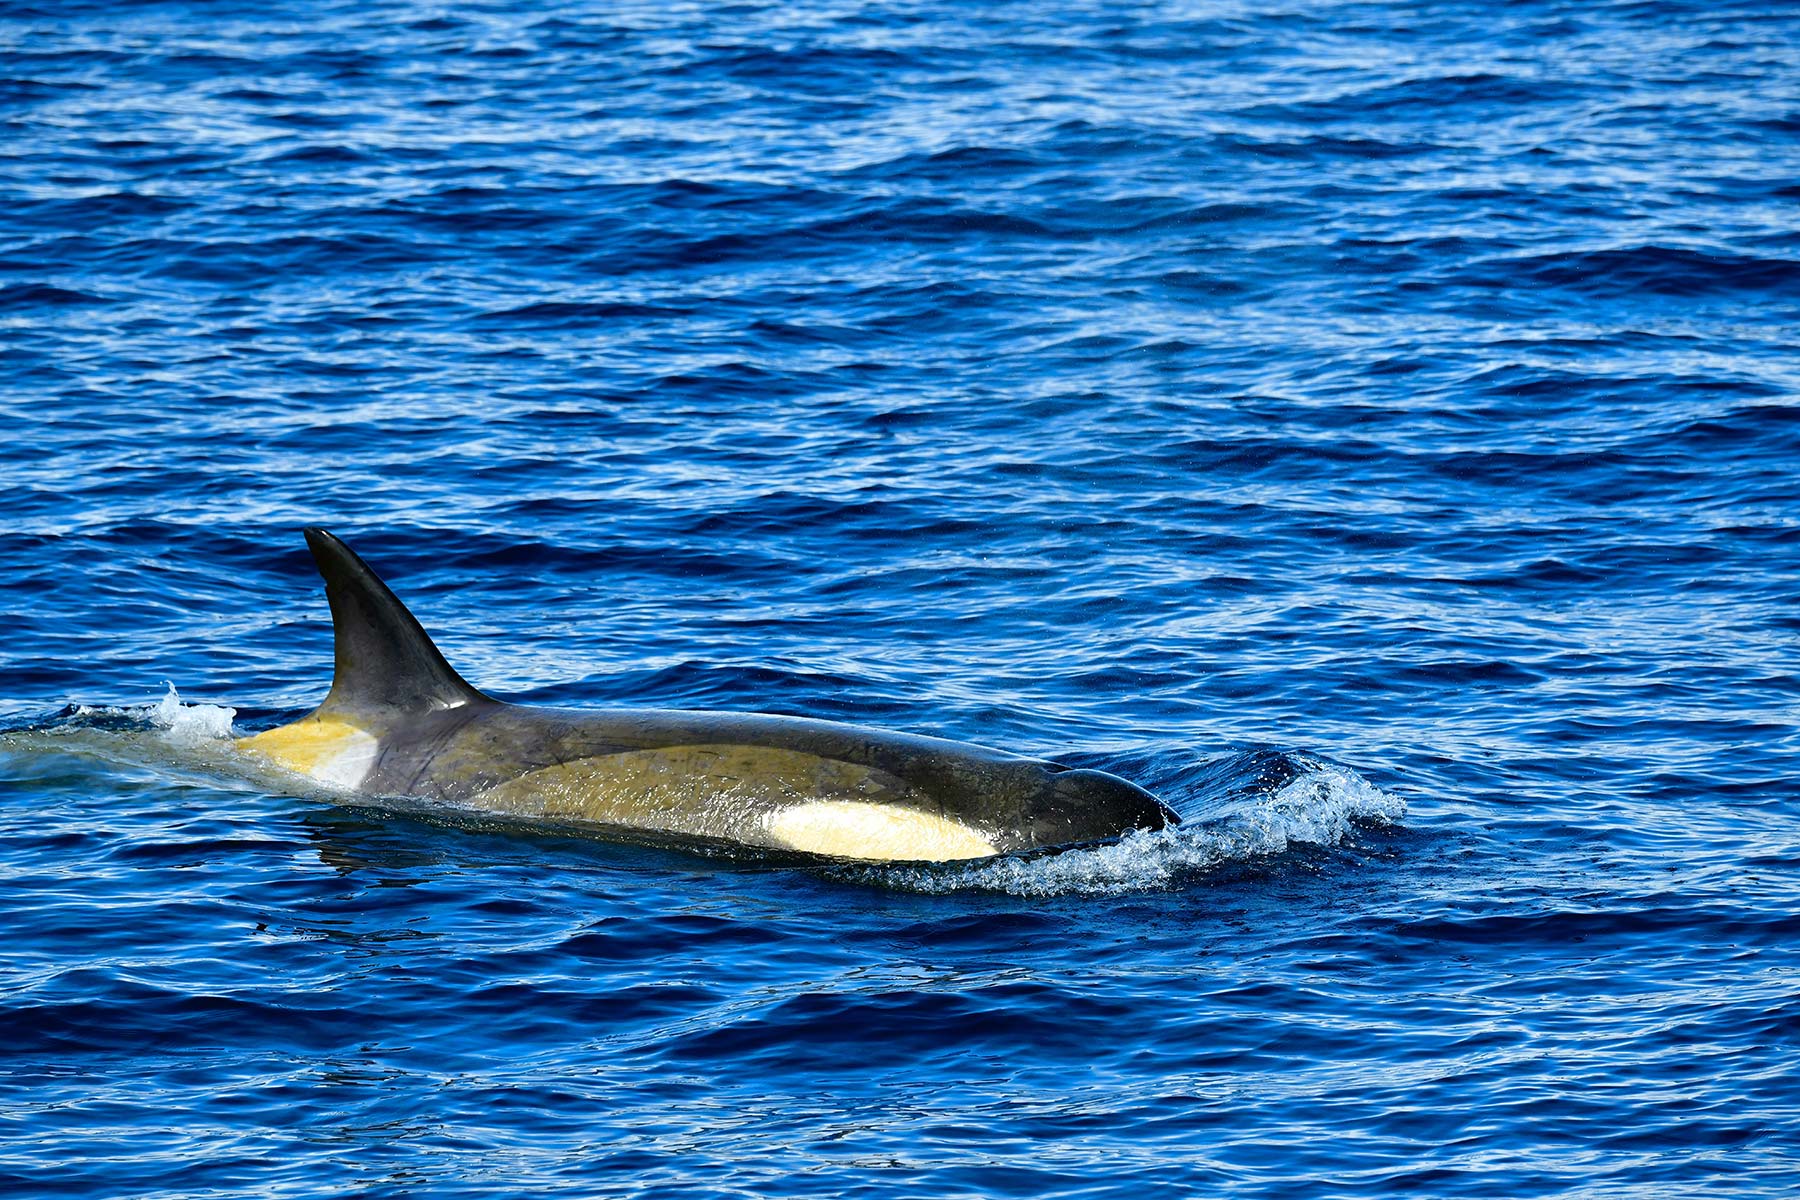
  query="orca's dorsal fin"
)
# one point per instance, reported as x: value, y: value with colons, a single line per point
x: 385, y: 659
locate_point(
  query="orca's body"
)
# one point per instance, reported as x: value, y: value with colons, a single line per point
x: 400, y: 722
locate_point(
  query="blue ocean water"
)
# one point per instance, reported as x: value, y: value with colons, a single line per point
x: 1370, y: 426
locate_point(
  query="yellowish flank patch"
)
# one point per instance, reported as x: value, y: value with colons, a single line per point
x: 329, y: 750
x: 719, y: 790
x: 763, y: 795
x: 853, y: 829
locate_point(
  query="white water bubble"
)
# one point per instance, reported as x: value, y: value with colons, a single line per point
x: 190, y: 724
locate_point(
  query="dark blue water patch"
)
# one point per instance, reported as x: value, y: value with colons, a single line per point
x: 1664, y: 270
x: 99, y: 210
x: 33, y: 91
x: 34, y: 296
x: 329, y: 156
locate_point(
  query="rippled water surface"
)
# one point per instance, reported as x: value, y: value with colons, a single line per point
x: 1370, y: 427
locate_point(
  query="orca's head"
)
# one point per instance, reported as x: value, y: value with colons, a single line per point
x: 1078, y: 806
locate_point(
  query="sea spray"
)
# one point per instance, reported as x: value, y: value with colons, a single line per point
x: 1320, y: 804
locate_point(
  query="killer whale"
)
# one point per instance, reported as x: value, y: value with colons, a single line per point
x: 398, y: 721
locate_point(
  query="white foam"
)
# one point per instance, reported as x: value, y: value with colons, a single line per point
x: 189, y: 724
x: 1320, y: 806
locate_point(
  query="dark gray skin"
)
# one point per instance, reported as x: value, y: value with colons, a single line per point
x: 753, y: 779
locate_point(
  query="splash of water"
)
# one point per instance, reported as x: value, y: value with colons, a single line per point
x: 191, y: 724
x: 1320, y: 805
x: 183, y: 725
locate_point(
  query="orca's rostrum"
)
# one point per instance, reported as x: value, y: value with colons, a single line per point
x: 400, y: 722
